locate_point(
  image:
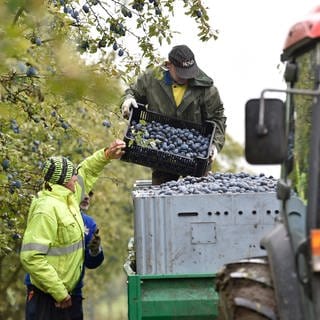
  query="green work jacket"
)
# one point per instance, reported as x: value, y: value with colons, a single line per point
x: 201, y: 100
x: 52, y: 250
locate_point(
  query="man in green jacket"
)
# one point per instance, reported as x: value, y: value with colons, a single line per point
x: 179, y: 89
x: 52, y: 250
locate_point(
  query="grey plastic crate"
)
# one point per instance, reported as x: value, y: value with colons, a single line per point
x: 199, y: 233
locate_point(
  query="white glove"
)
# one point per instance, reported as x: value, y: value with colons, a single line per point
x: 127, y: 105
x: 213, y: 152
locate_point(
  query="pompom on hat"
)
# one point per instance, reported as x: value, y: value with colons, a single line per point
x: 58, y: 170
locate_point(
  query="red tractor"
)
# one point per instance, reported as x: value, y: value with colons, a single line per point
x: 285, y: 284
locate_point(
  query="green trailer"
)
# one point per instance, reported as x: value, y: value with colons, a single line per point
x: 172, y: 296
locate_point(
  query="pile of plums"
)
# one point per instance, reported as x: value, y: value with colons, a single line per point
x: 213, y: 183
x: 184, y: 142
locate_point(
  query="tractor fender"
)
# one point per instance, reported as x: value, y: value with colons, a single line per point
x: 284, y: 274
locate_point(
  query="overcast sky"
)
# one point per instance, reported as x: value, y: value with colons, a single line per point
x: 244, y: 59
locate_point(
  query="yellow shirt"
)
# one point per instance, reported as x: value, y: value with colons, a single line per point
x: 178, y: 92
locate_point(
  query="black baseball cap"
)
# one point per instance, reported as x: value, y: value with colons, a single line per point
x: 183, y: 59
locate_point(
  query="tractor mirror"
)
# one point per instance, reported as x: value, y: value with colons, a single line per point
x: 265, y: 136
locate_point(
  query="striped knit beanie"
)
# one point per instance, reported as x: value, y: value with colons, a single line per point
x: 58, y: 170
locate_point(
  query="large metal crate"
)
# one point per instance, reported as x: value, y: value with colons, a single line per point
x: 199, y: 233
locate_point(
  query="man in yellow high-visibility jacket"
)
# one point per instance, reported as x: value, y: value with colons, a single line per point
x: 52, y: 250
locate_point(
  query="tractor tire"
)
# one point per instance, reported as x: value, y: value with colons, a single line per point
x: 246, y: 291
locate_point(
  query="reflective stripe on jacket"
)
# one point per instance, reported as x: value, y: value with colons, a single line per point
x: 53, y: 244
